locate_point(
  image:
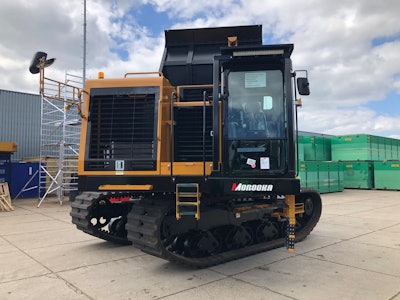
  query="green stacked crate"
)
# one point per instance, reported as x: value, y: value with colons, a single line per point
x: 357, y: 155
x: 388, y: 149
x: 387, y: 175
x: 300, y: 148
x: 316, y: 147
x: 308, y: 174
x: 355, y: 147
x: 382, y: 148
x: 392, y: 150
x: 397, y: 149
x: 358, y: 174
x: 335, y: 177
x: 309, y: 153
x: 312, y: 177
x: 324, y: 176
x: 323, y: 148
x: 302, y: 174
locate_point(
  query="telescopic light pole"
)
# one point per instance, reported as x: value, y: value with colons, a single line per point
x: 84, y: 43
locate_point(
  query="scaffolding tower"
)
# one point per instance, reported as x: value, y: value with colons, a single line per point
x: 60, y: 134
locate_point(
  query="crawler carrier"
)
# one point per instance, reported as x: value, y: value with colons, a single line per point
x: 196, y: 163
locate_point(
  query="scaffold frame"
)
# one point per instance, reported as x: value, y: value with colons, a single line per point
x: 59, y: 136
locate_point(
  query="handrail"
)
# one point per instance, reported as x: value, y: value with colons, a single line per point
x: 80, y: 103
x: 58, y: 86
x: 204, y: 132
x: 171, y: 133
x: 61, y: 91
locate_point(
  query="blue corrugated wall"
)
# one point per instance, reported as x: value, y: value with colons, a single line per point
x: 20, y: 122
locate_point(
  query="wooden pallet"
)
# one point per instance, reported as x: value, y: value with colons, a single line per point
x: 5, y: 199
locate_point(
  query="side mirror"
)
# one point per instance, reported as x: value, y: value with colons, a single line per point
x: 303, y: 86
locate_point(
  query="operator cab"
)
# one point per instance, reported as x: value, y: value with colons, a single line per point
x: 256, y: 121
x: 256, y: 85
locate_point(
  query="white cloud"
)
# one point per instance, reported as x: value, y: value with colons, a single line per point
x: 348, y: 121
x: 349, y: 47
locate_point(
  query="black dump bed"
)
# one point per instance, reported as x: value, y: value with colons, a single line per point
x: 189, y: 53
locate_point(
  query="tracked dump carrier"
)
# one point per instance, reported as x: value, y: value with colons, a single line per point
x: 196, y: 163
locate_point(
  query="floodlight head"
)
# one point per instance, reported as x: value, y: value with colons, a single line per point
x: 39, y: 62
x: 47, y: 63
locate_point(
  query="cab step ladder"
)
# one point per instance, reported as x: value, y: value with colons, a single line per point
x: 187, y: 200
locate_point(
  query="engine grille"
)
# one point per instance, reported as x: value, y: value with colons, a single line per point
x: 122, y: 129
x: 189, y: 134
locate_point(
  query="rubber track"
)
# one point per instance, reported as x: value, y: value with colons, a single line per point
x: 144, y: 222
x: 81, y: 213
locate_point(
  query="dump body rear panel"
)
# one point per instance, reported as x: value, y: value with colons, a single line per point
x: 189, y: 54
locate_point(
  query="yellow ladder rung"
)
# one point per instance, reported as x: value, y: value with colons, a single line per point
x: 187, y: 185
x: 299, y: 208
x: 188, y: 203
x: 191, y: 191
x: 188, y: 195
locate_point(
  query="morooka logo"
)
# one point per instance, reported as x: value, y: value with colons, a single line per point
x: 241, y: 187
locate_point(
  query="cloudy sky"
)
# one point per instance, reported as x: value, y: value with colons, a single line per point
x: 350, y: 48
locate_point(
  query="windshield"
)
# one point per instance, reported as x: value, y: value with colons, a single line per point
x: 256, y: 121
x: 255, y: 108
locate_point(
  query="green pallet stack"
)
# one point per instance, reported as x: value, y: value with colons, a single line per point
x: 336, y: 177
x: 316, y: 148
x: 324, y: 176
x: 387, y: 175
x: 308, y: 174
x: 316, y: 170
x: 358, y: 174
x: 356, y: 147
x: 360, y: 161
x: 367, y: 161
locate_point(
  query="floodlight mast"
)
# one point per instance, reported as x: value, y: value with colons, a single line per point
x: 84, y: 44
x: 53, y: 89
x: 59, y: 142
